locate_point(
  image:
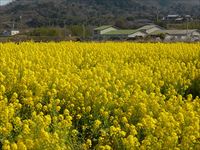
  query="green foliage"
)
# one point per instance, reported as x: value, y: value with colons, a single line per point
x: 162, y: 36
x: 44, y: 32
x: 191, y: 25
x: 79, y: 30
x: 194, y: 89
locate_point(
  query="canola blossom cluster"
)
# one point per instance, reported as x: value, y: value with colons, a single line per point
x: 104, y: 96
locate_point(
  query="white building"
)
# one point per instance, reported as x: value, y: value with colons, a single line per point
x: 123, y: 34
x: 11, y: 32
x: 148, y: 29
x: 103, y: 29
x: 110, y: 32
x: 177, y: 18
x: 179, y: 35
x: 106, y: 32
x: 14, y: 32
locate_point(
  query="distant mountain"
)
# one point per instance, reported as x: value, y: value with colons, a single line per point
x: 34, y: 13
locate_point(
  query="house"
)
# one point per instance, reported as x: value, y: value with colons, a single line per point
x: 177, y: 18
x: 102, y: 30
x: 155, y: 31
x: 110, y: 32
x: 171, y: 18
x: 10, y: 32
x: 188, y: 18
x: 14, y: 32
x: 178, y: 35
x: 150, y: 28
x: 123, y: 34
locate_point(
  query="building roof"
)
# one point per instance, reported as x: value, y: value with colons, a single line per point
x: 103, y: 27
x: 188, y: 16
x: 179, y: 19
x: 174, y: 32
x: 120, y: 32
x: 147, y: 27
x: 173, y: 16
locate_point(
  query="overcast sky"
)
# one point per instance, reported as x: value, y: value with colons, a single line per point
x: 3, y: 2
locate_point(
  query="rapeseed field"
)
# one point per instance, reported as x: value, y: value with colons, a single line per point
x: 104, y: 96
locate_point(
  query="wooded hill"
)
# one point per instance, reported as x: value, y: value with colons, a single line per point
x: 36, y: 13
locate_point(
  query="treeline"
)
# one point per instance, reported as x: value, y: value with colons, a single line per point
x: 79, y: 31
x: 189, y: 25
x: 39, y: 13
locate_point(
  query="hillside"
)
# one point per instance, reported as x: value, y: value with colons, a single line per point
x: 93, y: 12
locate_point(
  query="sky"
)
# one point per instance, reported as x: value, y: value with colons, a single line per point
x: 3, y: 2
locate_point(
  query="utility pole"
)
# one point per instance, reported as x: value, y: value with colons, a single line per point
x: 13, y: 24
x: 187, y: 28
x: 199, y: 10
x: 84, y: 30
x: 157, y: 15
x: 64, y: 28
x: 20, y: 22
x: 199, y: 18
x: 199, y: 4
x: 84, y: 25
